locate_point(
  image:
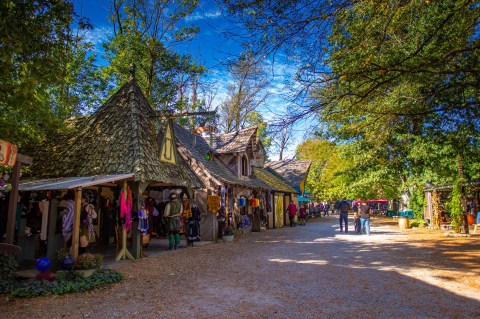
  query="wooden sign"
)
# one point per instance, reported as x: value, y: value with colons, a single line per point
x: 213, y: 202
x: 8, y: 153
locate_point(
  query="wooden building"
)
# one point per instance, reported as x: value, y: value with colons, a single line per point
x: 125, y: 144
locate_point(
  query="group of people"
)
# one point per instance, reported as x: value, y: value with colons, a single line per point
x: 361, y: 215
x: 292, y: 212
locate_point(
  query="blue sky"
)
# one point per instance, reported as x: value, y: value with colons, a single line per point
x: 209, y: 48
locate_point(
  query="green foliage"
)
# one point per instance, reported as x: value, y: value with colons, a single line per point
x: 455, y: 206
x: 417, y: 202
x: 35, y: 288
x: 420, y: 223
x: 35, y: 43
x: 144, y: 34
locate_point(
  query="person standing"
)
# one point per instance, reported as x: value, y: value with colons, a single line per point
x: 173, y: 211
x: 365, y: 212
x: 292, y: 212
x: 344, y: 208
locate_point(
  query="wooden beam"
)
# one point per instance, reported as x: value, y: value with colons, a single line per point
x: 76, y: 223
x: 12, y: 202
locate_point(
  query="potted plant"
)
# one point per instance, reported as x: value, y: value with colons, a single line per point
x: 228, y: 233
x: 87, y: 264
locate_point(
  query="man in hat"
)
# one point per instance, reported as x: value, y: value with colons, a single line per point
x: 172, y: 213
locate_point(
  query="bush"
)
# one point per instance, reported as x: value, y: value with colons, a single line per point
x: 418, y: 223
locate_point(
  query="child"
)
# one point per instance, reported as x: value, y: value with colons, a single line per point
x: 302, y: 215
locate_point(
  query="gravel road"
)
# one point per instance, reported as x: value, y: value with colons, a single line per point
x: 302, y: 272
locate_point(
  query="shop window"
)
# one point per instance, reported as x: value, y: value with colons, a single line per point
x: 244, y: 165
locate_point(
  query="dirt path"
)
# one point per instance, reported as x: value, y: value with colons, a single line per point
x: 303, y: 272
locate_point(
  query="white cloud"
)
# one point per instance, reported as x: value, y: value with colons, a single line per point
x: 98, y: 36
x: 198, y: 16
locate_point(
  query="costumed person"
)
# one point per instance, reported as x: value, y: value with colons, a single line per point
x: 87, y: 215
x: 172, y: 213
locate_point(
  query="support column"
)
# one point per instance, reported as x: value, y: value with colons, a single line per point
x: 76, y: 223
x: 12, y: 203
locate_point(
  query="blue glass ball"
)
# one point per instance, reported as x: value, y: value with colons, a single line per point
x: 67, y: 263
x: 42, y: 264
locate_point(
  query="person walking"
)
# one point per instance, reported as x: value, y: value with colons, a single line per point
x: 292, y: 212
x: 344, y: 208
x: 365, y: 212
x: 302, y: 214
x: 173, y: 211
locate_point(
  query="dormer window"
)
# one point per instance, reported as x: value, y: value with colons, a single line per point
x: 244, y: 165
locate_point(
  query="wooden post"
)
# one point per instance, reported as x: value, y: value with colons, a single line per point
x: 13, y: 200
x: 76, y: 223
x: 124, y: 253
x: 52, y: 223
x: 12, y: 203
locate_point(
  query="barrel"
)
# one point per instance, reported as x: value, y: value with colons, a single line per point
x: 403, y: 222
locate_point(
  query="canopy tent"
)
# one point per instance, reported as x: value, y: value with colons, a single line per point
x: 303, y: 199
x: 71, y: 182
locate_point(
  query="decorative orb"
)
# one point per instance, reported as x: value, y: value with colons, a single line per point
x: 67, y: 263
x: 43, y: 264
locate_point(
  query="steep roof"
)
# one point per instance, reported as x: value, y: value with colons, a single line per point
x: 197, y: 148
x: 235, y: 142
x: 293, y: 171
x: 274, y: 181
x: 122, y: 136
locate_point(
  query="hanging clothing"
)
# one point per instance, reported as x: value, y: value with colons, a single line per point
x: 67, y: 219
x: 143, y: 219
x: 126, y: 208
x: 194, y: 223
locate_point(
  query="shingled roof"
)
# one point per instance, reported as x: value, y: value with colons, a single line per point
x: 274, y: 181
x: 235, y: 142
x: 293, y: 171
x: 122, y: 136
x: 197, y: 147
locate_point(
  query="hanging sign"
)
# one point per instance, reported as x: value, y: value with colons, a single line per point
x: 213, y: 203
x: 8, y: 153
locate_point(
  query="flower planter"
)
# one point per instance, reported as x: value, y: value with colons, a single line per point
x: 85, y: 273
x: 227, y: 238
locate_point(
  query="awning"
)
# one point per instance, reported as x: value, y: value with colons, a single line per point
x: 70, y: 182
x: 303, y: 199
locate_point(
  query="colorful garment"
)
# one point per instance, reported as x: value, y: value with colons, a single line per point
x: 126, y: 208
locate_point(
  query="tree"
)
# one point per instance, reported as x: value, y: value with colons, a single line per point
x: 82, y: 89
x: 246, y: 92
x: 407, y: 59
x: 35, y: 48
x: 282, y: 139
x: 256, y: 119
x: 144, y: 33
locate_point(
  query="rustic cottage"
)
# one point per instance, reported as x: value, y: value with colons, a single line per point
x: 124, y: 148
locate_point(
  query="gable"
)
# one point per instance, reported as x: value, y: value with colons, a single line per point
x: 168, y: 152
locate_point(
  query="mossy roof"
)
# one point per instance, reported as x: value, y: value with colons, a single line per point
x: 123, y: 136
x: 198, y: 148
